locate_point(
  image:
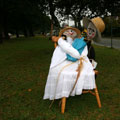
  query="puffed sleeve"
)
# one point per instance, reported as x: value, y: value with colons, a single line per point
x: 68, y: 49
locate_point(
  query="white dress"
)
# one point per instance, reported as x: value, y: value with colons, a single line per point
x: 62, y: 73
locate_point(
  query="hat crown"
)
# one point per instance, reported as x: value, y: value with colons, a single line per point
x: 99, y: 24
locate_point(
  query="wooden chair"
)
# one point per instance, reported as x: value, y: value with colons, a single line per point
x: 93, y: 92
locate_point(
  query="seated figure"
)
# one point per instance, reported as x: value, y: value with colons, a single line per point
x: 64, y: 65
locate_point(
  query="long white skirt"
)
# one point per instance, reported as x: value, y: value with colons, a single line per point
x: 61, y: 79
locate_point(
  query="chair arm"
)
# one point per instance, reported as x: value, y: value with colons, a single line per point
x: 96, y: 72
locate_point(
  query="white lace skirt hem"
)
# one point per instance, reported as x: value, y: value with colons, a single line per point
x: 61, y: 80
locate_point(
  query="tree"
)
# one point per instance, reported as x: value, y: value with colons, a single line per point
x: 49, y: 7
x: 103, y: 7
x: 22, y: 16
x: 76, y: 8
x: 90, y: 8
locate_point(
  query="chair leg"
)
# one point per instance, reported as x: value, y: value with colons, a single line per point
x: 97, y: 97
x: 63, y: 105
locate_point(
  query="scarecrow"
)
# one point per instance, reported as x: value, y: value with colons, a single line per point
x: 70, y: 70
x: 92, y: 32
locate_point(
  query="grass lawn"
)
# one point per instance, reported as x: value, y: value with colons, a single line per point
x: 24, y: 65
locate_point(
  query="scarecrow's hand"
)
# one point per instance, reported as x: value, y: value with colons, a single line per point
x: 55, y: 38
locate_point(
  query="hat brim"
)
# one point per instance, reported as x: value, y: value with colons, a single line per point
x: 86, y: 22
x: 97, y: 37
x: 75, y: 29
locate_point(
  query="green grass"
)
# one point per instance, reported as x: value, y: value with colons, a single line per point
x: 24, y: 65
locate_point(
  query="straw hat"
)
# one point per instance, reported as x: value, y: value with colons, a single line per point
x: 75, y: 29
x: 98, y: 23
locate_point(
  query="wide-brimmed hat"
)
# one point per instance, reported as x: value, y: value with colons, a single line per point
x: 98, y: 23
x: 75, y: 29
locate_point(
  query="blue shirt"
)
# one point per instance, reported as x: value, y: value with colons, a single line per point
x: 78, y: 44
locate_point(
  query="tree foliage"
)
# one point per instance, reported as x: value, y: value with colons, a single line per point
x: 22, y: 16
x: 90, y: 8
x: 27, y: 16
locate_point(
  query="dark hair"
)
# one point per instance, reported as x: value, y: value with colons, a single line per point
x: 64, y: 36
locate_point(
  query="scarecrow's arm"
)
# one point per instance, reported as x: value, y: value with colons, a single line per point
x: 68, y: 49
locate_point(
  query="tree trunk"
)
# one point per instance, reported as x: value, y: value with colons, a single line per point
x: 75, y: 20
x: 1, y: 38
x: 55, y: 21
x: 79, y: 24
x: 1, y: 33
x: 25, y: 32
x: 31, y: 31
x: 75, y: 23
x: 51, y: 31
x: 6, y: 34
x: 5, y: 26
x: 17, y: 33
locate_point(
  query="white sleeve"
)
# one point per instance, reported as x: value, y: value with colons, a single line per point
x: 67, y: 48
x: 85, y: 51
